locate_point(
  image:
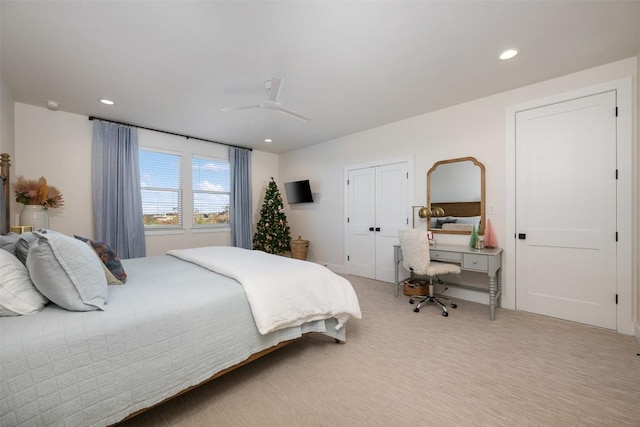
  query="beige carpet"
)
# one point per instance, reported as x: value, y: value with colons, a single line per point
x: 400, y: 368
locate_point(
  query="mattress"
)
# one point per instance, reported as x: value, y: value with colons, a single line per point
x: 171, y: 326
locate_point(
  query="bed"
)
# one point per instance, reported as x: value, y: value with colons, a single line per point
x: 460, y: 216
x: 171, y: 326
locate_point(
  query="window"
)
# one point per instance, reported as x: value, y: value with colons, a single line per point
x: 160, y: 177
x: 162, y: 180
x: 211, y: 192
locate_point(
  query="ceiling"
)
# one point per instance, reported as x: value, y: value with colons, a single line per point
x: 348, y: 65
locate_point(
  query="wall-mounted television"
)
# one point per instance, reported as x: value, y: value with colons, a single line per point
x: 298, y: 191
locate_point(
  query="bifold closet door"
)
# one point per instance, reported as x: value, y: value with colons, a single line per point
x: 378, y: 208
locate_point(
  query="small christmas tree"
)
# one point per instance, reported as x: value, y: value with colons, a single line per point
x: 474, y: 237
x: 272, y: 233
x: 490, y: 240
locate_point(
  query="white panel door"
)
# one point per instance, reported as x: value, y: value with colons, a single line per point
x: 391, y: 215
x: 362, y: 219
x: 566, y: 210
x: 377, y: 209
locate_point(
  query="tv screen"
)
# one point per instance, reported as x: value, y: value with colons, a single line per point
x: 298, y: 191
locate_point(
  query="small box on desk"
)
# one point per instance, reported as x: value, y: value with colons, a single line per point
x: 21, y: 228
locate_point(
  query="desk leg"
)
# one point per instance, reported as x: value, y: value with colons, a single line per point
x: 397, y: 273
x: 492, y: 297
x: 499, y: 302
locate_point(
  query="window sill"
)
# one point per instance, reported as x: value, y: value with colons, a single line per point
x: 194, y: 230
x: 224, y: 229
x: 160, y: 232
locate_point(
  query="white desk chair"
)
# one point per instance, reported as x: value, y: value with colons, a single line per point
x: 415, y: 258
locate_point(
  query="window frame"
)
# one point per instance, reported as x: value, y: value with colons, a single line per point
x: 214, y: 226
x: 169, y: 228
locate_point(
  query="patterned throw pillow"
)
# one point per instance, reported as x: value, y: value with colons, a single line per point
x: 108, y: 256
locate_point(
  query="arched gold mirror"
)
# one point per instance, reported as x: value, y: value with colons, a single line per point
x: 457, y: 186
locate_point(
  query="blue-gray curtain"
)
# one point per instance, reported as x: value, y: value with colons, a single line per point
x: 240, y: 208
x: 117, y: 202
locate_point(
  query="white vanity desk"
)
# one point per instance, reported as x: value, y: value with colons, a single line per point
x: 480, y: 260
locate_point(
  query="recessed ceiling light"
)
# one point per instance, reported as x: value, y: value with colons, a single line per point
x: 268, y: 140
x: 52, y: 105
x: 107, y: 101
x: 508, y: 54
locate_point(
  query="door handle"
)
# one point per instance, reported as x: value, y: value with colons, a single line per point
x: 371, y: 229
x: 377, y: 228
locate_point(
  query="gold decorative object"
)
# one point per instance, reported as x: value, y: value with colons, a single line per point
x: 425, y: 212
x: 21, y: 228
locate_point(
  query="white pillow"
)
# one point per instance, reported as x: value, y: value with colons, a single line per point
x: 67, y: 272
x: 18, y: 296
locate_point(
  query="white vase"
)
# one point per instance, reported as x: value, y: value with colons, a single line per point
x: 35, y: 216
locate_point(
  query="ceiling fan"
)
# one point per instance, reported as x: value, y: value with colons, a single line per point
x: 273, y: 87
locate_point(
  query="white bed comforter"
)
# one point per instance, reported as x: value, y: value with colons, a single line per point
x: 282, y: 292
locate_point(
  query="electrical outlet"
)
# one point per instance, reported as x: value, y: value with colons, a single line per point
x: 491, y: 209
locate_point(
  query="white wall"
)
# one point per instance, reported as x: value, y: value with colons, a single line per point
x: 57, y: 145
x: 6, y: 120
x: 475, y: 129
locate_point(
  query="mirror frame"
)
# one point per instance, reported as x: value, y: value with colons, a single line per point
x: 482, y: 194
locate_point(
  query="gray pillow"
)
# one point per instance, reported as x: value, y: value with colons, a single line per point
x: 8, y: 242
x: 23, y: 244
x: 67, y: 271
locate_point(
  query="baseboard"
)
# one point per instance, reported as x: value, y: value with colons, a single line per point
x: 336, y: 268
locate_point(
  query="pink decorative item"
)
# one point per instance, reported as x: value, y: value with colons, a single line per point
x: 490, y: 240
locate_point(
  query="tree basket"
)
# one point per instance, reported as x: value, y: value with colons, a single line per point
x: 299, y: 248
x: 414, y: 287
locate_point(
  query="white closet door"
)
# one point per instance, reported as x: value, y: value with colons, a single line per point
x: 361, y: 235
x: 566, y: 210
x: 377, y: 209
x: 391, y: 215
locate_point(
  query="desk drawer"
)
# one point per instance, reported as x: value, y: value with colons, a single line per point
x: 475, y: 262
x: 444, y: 256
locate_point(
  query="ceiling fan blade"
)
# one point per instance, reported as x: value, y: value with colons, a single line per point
x: 246, y: 107
x: 294, y: 114
x: 276, y: 88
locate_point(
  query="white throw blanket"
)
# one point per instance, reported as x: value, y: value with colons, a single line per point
x: 282, y: 292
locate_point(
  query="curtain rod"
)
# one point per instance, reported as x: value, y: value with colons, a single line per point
x: 167, y: 132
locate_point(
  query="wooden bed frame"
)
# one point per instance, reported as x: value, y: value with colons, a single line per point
x: 464, y: 209
x: 6, y: 189
x: 214, y: 376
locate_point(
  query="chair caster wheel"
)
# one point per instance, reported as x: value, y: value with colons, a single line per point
x: 445, y: 314
x: 416, y: 310
x: 411, y: 301
x: 453, y: 305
